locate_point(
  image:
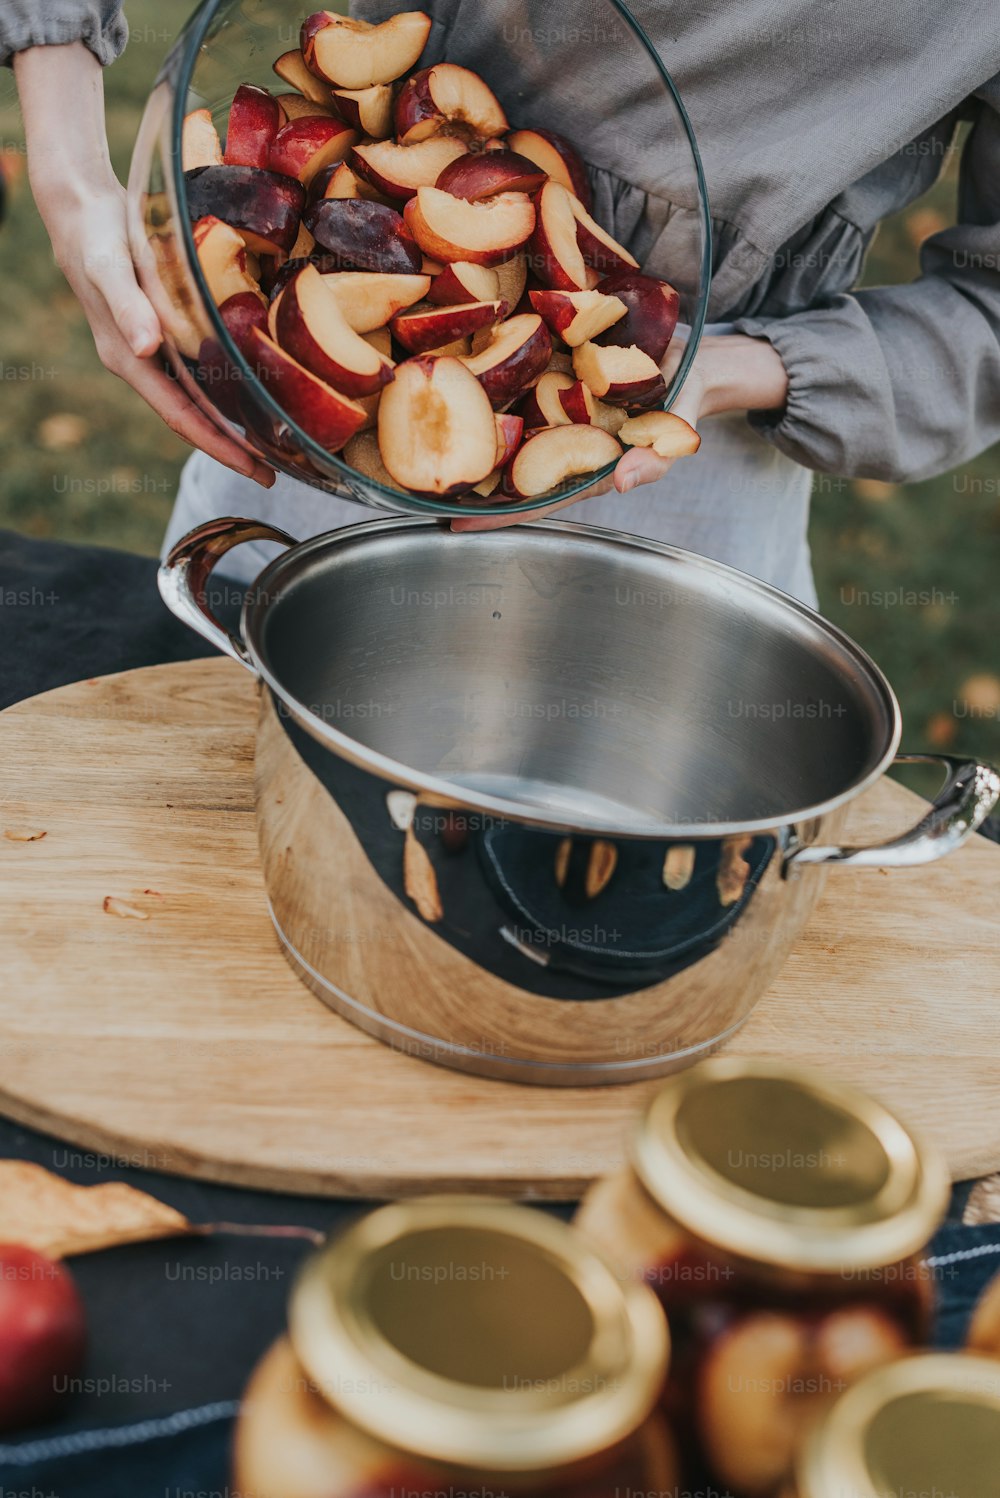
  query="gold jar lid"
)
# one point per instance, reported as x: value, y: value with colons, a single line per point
x: 477, y: 1333
x: 781, y: 1166
x: 927, y: 1425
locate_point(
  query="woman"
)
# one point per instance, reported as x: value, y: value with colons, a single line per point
x: 814, y: 122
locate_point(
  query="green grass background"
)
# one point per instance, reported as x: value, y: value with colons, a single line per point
x: 67, y: 426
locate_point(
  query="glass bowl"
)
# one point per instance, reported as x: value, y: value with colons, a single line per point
x: 584, y: 69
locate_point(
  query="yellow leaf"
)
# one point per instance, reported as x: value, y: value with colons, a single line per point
x: 57, y: 1218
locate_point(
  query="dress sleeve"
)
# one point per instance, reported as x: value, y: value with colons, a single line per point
x: 903, y: 382
x: 39, y: 23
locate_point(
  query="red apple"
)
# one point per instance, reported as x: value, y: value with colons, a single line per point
x: 398, y: 171
x: 200, y: 144
x: 620, y: 376
x: 554, y: 253
x: 577, y: 316
x: 364, y: 236
x: 668, y: 435
x: 291, y: 68
x: 264, y: 206
x: 652, y: 311
x: 427, y: 327
x: 43, y: 1334
x: 222, y: 256
x: 447, y: 97
x: 363, y: 454
x: 549, y: 457
x: 366, y: 110
x: 309, y: 325
x: 556, y: 157
x: 436, y: 430
x: 515, y: 357
x: 255, y: 117
x: 304, y: 147
x: 482, y: 174
x: 464, y: 282
x: 452, y: 229
x: 325, y: 415
x: 597, y: 247
x: 369, y: 300
x: 510, y: 430
x: 355, y: 54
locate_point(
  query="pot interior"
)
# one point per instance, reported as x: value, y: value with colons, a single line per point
x: 571, y: 668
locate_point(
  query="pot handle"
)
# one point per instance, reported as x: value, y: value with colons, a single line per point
x: 189, y: 564
x: 970, y: 793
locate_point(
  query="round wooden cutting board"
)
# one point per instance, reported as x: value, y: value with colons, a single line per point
x: 146, y: 1011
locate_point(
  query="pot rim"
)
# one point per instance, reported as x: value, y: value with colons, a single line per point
x: 442, y: 792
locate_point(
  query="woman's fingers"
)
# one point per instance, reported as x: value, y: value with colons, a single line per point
x: 640, y: 466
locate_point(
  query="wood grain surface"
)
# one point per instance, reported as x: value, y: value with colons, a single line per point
x: 146, y: 1011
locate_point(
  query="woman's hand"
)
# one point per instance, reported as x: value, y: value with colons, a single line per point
x: 729, y: 373
x: 82, y: 205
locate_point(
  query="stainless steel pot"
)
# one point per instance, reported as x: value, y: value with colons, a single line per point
x: 551, y: 804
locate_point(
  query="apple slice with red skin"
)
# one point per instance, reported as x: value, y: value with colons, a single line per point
x: 429, y: 327
x: 241, y: 314
x: 652, y: 306
x: 380, y: 339
x: 541, y: 407
x: 668, y: 435
x: 447, y: 97
x: 264, y: 206
x: 512, y: 275
x: 436, y: 430
x: 397, y: 171
x: 339, y: 181
x: 295, y: 107
x: 459, y: 348
x: 200, y: 143
x: 304, y: 147
x: 222, y: 256
x: 325, y: 415
x: 255, y: 117
x: 366, y: 110
x: 620, y: 376
x: 510, y: 432
x: 309, y: 325
x: 362, y: 453
x: 354, y: 54
x: 304, y: 246
x: 369, y: 300
x: 482, y: 174
x: 554, y: 252
x: 486, y: 233
x: 597, y: 247
x: 577, y: 316
x: 555, y: 156
x: 464, y: 282
x: 515, y: 358
x: 364, y: 236
x: 291, y: 68
x: 549, y: 457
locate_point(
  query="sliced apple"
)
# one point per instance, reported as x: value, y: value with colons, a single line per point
x: 364, y: 236
x: 447, y: 97
x: 512, y: 275
x: 428, y: 327
x: 295, y: 107
x: 459, y: 348
x: 482, y: 174
x: 398, y: 171
x: 304, y: 147
x: 367, y: 110
x: 608, y: 418
x: 362, y: 453
x: 304, y: 245
x: 255, y: 117
x: 577, y: 316
x: 339, y: 181
x: 514, y: 358
x: 668, y: 435
x: 554, y: 253
x: 354, y: 54
x: 464, y: 282
x: 597, y: 247
x: 380, y: 339
x: 510, y: 431
x: 325, y: 415
x: 541, y: 406
x: 554, y: 154
x: 487, y: 485
x: 309, y: 325
x: 291, y: 68
x: 486, y: 233
x: 200, y: 143
x: 242, y: 313
x: 551, y: 456
x: 264, y: 206
x: 436, y: 430
x: 369, y: 300
x: 222, y: 256
x: 620, y: 376
x: 653, y: 307
x: 578, y: 403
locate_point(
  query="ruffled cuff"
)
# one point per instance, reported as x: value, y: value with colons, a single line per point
x: 99, y: 24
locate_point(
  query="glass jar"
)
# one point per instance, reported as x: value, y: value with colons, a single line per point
x: 924, y: 1427
x: 455, y: 1345
x: 777, y: 1214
